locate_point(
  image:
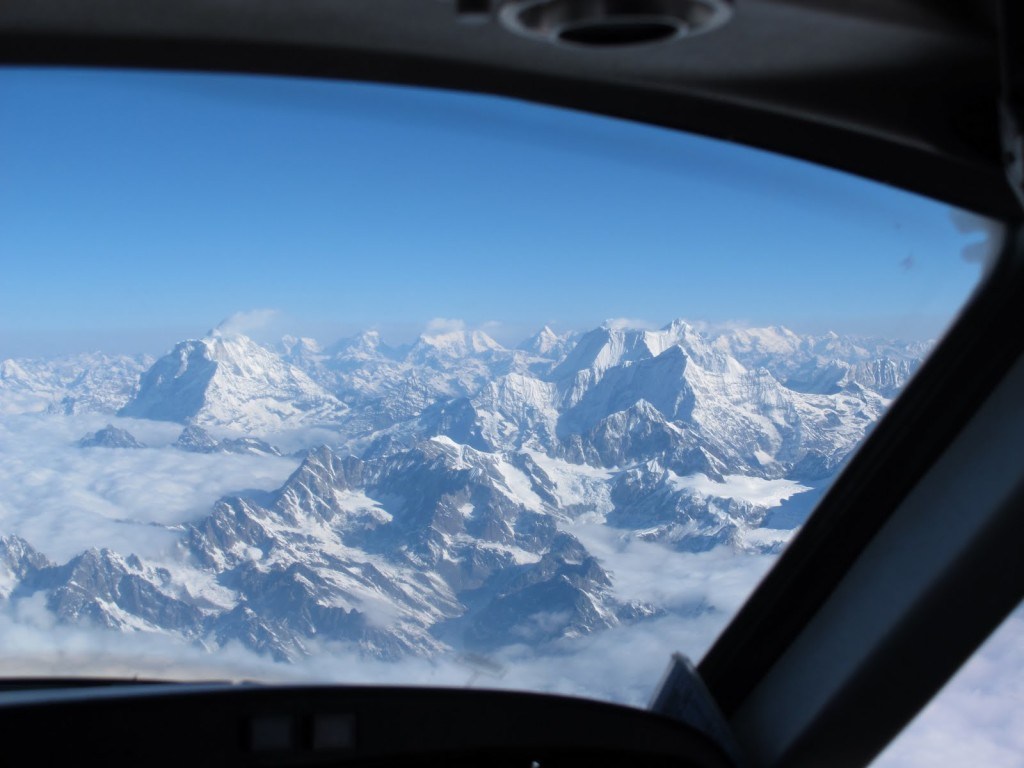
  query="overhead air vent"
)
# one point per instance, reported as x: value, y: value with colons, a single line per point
x: 613, y: 23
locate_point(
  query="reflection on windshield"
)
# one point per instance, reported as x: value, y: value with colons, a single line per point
x: 494, y: 394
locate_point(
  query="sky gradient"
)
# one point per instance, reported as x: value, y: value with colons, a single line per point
x: 139, y: 208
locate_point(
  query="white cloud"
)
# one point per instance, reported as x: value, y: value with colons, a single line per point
x: 978, y: 718
x: 643, y: 570
x: 440, y: 325
x: 630, y: 323
x: 63, y: 499
x: 36, y: 645
x: 247, y: 322
x: 622, y: 664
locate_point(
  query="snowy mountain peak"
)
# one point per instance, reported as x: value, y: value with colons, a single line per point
x: 544, y: 343
x: 110, y: 437
x: 772, y: 340
x: 10, y: 371
x: 80, y: 383
x: 230, y: 380
x: 680, y: 330
x: 610, y: 347
x: 363, y: 345
x: 367, y: 340
x: 299, y: 347
x: 455, y: 344
x: 603, y: 348
x: 195, y: 439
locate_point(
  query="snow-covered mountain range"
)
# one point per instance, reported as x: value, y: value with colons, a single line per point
x: 443, y: 510
x: 72, y: 384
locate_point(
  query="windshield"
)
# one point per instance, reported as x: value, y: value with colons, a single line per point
x: 346, y: 382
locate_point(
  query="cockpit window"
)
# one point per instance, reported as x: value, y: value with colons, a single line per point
x: 347, y: 382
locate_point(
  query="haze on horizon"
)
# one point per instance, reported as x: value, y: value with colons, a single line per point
x: 274, y: 331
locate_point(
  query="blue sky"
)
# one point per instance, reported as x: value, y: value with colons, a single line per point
x: 138, y: 208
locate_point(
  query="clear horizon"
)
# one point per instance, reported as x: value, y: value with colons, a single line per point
x: 141, y: 208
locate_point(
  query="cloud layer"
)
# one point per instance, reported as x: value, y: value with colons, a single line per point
x: 978, y: 718
x: 248, y: 321
x: 440, y: 325
x: 64, y: 499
